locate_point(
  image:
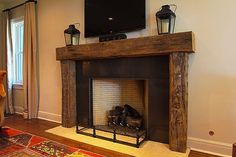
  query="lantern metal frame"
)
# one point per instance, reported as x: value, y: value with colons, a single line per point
x: 165, y: 13
x: 72, y: 32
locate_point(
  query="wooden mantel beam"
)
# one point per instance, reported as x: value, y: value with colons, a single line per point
x: 136, y: 47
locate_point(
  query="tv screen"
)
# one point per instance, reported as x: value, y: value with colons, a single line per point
x: 113, y: 16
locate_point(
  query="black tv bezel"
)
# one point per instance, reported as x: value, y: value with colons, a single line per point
x: 122, y: 31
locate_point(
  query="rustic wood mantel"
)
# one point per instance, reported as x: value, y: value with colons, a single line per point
x: 177, y: 46
x: 137, y: 47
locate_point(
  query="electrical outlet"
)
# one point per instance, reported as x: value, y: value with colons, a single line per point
x: 211, y: 133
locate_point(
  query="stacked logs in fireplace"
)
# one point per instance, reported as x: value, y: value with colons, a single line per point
x: 125, y: 116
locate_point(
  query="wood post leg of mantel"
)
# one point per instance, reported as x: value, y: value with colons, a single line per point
x: 68, y: 72
x: 234, y: 150
x: 178, y: 64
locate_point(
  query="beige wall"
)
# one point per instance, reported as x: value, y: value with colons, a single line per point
x: 1, y: 7
x: 12, y: 3
x: 54, y: 16
x: 212, y: 69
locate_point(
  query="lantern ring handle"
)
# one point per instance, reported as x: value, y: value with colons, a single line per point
x: 172, y: 5
x: 76, y: 23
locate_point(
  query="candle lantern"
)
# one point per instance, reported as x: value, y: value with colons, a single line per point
x: 165, y: 19
x: 72, y: 36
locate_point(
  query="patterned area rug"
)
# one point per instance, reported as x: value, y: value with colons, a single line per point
x: 15, y: 143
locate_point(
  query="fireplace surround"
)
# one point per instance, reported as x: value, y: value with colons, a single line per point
x: 155, y: 70
x: 164, y: 62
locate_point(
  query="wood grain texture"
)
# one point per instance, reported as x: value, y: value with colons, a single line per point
x: 178, y: 65
x: 234, y: 150
x: 136, y: 47
x: 200, y: 154
x: 68, y: 72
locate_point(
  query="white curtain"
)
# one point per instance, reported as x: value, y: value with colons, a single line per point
x: 6, y: 58
x: 30, y: 80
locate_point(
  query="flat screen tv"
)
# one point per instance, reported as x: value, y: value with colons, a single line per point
x: 104, y: 17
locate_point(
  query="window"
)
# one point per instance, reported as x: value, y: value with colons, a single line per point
x: 17, y: 27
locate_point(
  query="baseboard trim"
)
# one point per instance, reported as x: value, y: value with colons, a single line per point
x: 210, y: 147
x: 49, y: 117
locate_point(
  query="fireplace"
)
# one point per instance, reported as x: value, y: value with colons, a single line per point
x: 162, y: 61
x: 154, y: 70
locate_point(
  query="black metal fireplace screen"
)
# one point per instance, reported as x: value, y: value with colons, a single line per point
x: 124, y: 121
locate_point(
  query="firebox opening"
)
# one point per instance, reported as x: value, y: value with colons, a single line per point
x: 119, y: 108
x: 120, y: 103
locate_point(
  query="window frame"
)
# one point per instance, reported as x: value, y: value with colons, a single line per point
x: 17, y: 49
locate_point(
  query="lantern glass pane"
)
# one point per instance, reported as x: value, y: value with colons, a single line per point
x: 159, y: 25
x: 172, y: 24
x: 165, y: 26
x: 68, y: 39
x: 75, y: 39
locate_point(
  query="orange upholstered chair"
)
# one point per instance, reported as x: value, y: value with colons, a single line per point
x: 2, y: 97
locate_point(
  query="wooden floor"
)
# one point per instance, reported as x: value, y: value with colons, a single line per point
x: 199, y: 154
x: 38, y: 127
